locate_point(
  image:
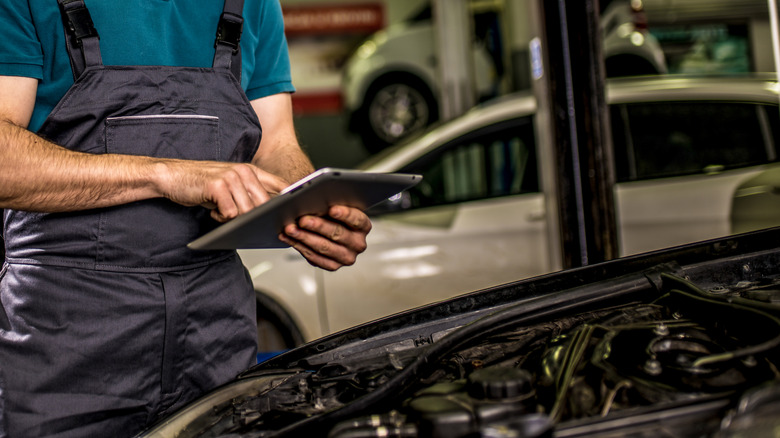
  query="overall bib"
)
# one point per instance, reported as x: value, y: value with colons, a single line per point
x: 108, y: 321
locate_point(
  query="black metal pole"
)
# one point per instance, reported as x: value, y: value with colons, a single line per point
x: 580, y: 131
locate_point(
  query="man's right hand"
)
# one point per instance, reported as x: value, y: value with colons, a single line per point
x: 229, y: 189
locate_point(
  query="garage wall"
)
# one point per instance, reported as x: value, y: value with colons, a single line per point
x: 396, y: 10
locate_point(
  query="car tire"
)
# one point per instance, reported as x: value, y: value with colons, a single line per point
x: 395, y: 107
x: 276, y: 330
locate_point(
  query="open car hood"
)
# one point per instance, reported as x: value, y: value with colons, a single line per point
x: 680, y: 342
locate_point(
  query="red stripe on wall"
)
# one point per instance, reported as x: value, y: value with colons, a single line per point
x: 327, y: 102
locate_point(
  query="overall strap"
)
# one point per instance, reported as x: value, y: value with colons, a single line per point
x: 81, y: 38
x: 227, y: 42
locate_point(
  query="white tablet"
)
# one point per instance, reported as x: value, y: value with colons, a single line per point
x: 312, y: 195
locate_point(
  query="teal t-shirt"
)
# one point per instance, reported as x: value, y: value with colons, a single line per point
x: 140, y: 32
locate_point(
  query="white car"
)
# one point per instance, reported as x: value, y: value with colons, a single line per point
x: 683, y: 148
x: 390, y: 86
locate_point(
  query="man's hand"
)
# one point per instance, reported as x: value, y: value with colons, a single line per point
x: 330, y: 242
x: 229, y: 189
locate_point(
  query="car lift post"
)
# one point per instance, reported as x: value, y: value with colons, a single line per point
x: 454, y: 35
x: 568, y: 77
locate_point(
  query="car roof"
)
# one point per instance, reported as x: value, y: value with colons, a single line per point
x: 749, y: 88
x: 503, y: 108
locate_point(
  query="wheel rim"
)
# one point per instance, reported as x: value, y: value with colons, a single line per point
x: 396, y: 111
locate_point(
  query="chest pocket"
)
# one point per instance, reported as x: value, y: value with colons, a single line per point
x: 190, y: 137
x: 154, y: 232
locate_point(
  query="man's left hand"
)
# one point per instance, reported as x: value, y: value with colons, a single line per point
x: 332, y: 241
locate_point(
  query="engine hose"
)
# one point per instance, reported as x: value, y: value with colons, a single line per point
x: 698, y: 301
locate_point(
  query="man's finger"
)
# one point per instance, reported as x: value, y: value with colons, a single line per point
x: 241, y: 189
x: 224, y: 206
x: 317, y: 233
x: 314, y: 258
x: 352, y: 217
x: 270, y: 183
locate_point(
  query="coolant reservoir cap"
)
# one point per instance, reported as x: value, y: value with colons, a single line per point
x: 499, y: 383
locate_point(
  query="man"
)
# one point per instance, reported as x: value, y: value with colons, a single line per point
x: 119, y: 143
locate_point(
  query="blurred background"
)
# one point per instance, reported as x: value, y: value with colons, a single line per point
x: 349, y: 54
x: 531, y: 161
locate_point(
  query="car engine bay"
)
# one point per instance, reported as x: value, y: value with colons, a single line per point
x: 664, y: 352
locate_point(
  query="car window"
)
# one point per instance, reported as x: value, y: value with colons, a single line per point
x: 498, y: 160
x: 664, y: 139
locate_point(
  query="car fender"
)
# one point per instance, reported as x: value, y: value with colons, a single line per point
x: 401, y: 48
x: 655, y: 214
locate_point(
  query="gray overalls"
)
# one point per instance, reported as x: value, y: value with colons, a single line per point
x: 108, y: 321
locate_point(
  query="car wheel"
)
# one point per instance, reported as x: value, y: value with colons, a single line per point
x: 276, y: 330
x: 395, y: 108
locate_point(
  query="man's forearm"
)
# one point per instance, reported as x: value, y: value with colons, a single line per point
x: 279, y: 152
x: 38, y: 175
x: 289, y: 163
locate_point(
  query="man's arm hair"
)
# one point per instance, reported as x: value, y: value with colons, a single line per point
x: 38, y: 175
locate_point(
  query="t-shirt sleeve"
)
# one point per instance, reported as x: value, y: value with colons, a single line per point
x: 270, y: 61
x: 20, y: 52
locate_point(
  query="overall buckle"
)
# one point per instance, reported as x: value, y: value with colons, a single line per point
x: 80, y: 23
x: 229, y: 31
